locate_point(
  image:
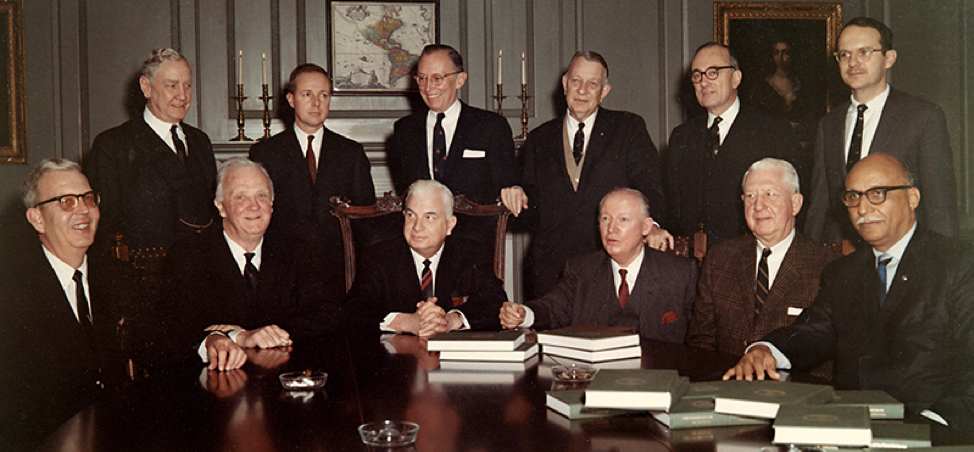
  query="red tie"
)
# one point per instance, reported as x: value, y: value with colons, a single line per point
x: 312, y: 164
x: 623, y: 289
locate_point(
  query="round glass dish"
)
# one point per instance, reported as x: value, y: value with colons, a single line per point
x: 574, y: 372
x: 388, y: 433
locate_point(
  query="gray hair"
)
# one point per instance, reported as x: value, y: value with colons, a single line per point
x: 155, y: 59
x: 790, y: 178
x: 239, y: 162
x: 643, y: 201
x: 732, y: 58
x: 28, y: 189
x: 591, y: 57
x: 427, y: 187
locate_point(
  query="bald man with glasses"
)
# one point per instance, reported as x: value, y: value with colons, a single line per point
x: 62, y: 310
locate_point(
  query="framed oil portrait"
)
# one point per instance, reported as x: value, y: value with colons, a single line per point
x: 13, y: 120
x: 373, y: 46
x: 785, y: 54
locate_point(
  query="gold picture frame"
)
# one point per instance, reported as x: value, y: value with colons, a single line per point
x: 13, y: 119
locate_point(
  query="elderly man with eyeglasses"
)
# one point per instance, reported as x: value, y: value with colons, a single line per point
x: 897, y: 315
x: 878, y: 118
x: 61, y: 311
x: 709, y: 154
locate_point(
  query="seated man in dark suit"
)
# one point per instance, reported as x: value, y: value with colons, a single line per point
x: 61, y: 310
x: 758, y: 282
x: 896, y: 316
x: 425, y: 283
x: 309, y: 164
x: 626, y: 285
x: 155, y: 173
x: 236, y: 287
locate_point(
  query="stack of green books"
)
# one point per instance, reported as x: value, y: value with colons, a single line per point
x: 569, y: 404
x: 635, y: 389
x: 482, y: 346
x: 762, y: 398
x: 823, y: 425
x: 696, y: 408
x: 592, y: 344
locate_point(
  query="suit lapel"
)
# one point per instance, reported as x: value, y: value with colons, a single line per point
x: 835, y: 141
x: 891, y: 121
x: 596, y: 146
x: 646, y: 282
x: 746, y: 279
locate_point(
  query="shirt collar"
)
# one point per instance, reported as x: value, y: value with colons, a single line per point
x: 781, y: 247
x: 899, y: 247
x: 64, y: 271
x: 303, y: 139
x: 727, y: 117
x: 434, y: 260
x: 634, y: 266
x: 451, y: 113
x: 875, y: 104
x: 238, y: 253
x: 160, y: 127
x: 572, y: 124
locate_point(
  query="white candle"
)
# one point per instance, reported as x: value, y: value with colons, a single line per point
x: 524, y: 73
x: 240, y: 68
x: 500, y: 71
x: 263, y: 67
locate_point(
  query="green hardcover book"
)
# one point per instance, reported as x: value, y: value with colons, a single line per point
x: 596, y: 356
x: 762, y: 398
x: 823, y: 425
x: 570, y: 405
x: 522, y: 353
x: 699, y: 412
x: 711, y: 389
x: 881, y: 405
x: 635, y: 389
x: 899, y: 435
x: 476, y: 341
x: 590, y: 338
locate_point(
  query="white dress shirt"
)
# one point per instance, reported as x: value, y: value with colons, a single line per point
x: 164, y: 130
x: 571, y: 125
x: 65, y: 275
x: 449, y: 124
x: 870, y: 117
x: 418, y: 265
x: 777, y: 256
x: 315, y: 145
x: 726, y: 119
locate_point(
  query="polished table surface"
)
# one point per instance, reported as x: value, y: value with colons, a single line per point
x: 191, y: 409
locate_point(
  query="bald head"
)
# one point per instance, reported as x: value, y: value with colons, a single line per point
x: 884, y: 223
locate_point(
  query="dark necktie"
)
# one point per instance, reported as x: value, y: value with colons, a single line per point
x: 578, y: 146
x: 882, y: 261
x: 426, y: 284
x: 180, y: 148
x: 312, y: 163
x: 713, y: 139
x: 439, y: 147
x: 623, y: 288
x: 762, y: 287
x: 855, y: 148
x: 84, y: 316
x: 250, y: 271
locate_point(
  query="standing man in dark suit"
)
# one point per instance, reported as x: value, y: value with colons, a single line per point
x: 155, y: 173
x: 61, y: 310
x: 897, y: 315
x: 709, y: 154
x: 237, y: 287
x: 743, y: 294
x: 469, y: 150
x: 309, y: 164
x: 626, y: 285
x: 425, y: 283
x: 570, y: 163
x: 893, y: 122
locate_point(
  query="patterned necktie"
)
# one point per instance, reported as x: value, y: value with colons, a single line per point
x: 439, y: 147
x: 250, y: 271
x: 180, y: 148
x: 713, y: 139
x: 762, y: 287
x: 426, y: 284
x: 579, y: 145
x: 312, y: 163
x: 623, y: 288
x: 855, y: 148
x: 882, y: 261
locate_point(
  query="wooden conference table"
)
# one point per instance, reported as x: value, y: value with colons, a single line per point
x: 487, y: 409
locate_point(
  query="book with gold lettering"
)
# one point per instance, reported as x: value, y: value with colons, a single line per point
x: 569, y: 404
x: 823, y: 425
x: 699, y: 412
x: 590, y: 338
x: 635, y: 389
x: 762, y: 398
x: 881, y: 405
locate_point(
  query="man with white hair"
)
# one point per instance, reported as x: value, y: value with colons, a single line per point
x: 235, y: 287
x: 425, y: 283
x: 761, y: 281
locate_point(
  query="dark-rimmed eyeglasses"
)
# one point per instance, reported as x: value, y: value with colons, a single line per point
x: 875, y: 195
x: 862, y: 55
x: 435, y: 79
x: 711, y: 72
x: 69, y: 202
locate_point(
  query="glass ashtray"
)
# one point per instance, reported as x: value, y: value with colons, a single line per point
x: 388, y: 433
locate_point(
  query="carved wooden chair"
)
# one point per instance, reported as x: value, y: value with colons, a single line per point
x: 148, y: 262
x: 695, y: 246
x: 347, y: 214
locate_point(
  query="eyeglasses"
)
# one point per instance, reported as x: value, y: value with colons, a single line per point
x: 862, y: 55
x: 875, y: 195
x: 435, y: 79
x: 710, y: 72
x: 69, y: 202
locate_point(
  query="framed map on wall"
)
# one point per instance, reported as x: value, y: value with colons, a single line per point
x: 373, y: 46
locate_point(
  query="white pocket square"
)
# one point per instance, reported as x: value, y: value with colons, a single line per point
x: 473, y: 154
x: 794, y: 311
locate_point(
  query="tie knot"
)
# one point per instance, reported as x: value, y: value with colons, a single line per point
x: 174, y: 129
x: 581, y: 126
x: 717, y: 120
x: 311, y: 139
x: 766, y: 253
x: 883, y: 259
x: 440, y: 117
x: 249, y: 257
x: 623, y: 272
x: 78, y: 277
x: 426, y: 262
x: 861, y: 108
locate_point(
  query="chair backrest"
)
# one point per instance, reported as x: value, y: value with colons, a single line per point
x: 695, y: 246
x: 390, y: 203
